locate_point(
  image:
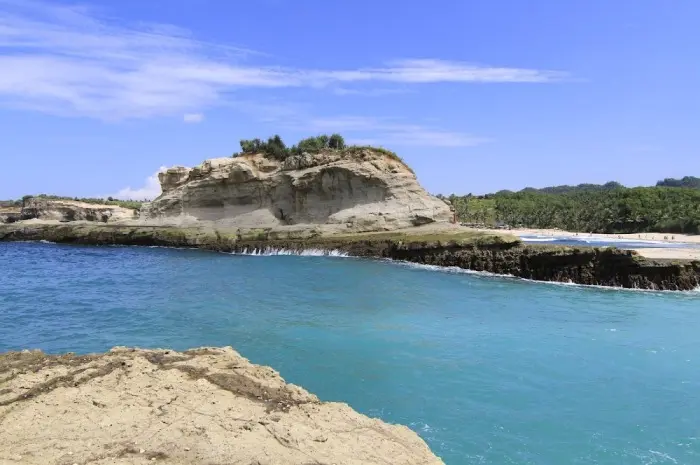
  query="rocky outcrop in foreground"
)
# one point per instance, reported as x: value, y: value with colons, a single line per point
x: 202, y: 406
x: 40, y: 208
x: 351, y: 189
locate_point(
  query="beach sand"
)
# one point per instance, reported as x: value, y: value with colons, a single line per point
x: 668, y: 253
x: 654, y: 252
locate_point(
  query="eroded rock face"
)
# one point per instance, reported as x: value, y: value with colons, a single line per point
x: 365, y: 191
x: 10, y: 215
x: 202, y: 406
x: 71, y: 210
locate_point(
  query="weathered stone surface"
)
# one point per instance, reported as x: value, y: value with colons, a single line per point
x: 10, y: 215
x: 73, y: 210
x: 202, y: 406
x: 363, y: 191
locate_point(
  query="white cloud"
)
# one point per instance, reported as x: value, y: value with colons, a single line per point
x: 421, y: 71
x: 369, y: 92
x: 67, y: 60
x: 150, y: 190
x: 193, y: 117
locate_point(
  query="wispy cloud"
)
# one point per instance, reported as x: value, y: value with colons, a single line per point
x: 393, y: 132
x: 193, y: 117
x: 378, y: 92
x: 423, y: 71
x: 70, y: 61
x: 149, y: 191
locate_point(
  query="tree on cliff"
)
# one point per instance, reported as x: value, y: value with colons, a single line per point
x: 336, y: 141
x: 275, y: 148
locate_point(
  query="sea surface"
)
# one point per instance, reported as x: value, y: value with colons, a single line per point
x: 488, y: 370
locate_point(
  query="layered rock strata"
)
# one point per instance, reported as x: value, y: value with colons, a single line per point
x: 363, y: 190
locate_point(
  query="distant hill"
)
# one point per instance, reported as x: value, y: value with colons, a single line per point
x: 688, y: 181
x: 566, y: 189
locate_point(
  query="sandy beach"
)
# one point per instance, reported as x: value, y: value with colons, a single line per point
x: 689, y: 253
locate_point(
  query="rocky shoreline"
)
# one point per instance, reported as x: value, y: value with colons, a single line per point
x: 490, y: 253
x: 206, y: 405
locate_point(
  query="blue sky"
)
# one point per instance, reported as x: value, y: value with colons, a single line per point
x: 477, y: 96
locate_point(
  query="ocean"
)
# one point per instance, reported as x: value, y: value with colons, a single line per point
x: 488, y: 370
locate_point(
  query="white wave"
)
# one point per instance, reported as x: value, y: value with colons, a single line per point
x: 629, y: 242
x: 42, y: 241
x: 665, y: 457
x: 273, y: 252
x: 423, y: 427
x: 152, y: 247
x: 539, y: 239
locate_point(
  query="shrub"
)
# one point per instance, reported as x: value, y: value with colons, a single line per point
x: 336, y: 142
x: 275, y: 148
x: 313, y: 144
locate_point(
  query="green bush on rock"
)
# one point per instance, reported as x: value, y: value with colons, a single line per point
x: 275, y: 147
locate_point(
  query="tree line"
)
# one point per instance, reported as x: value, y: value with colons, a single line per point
x: 615, y: 209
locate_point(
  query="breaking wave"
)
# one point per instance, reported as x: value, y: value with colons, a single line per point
x: 273, y: 252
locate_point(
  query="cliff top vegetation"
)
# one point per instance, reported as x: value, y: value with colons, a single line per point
x: 275, y: 148
x: 19, y: 203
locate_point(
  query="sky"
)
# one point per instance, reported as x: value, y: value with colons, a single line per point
x: 96, y: 97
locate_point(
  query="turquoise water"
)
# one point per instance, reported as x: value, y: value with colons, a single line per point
x: 487, y: 370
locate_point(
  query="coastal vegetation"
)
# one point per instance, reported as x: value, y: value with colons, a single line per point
x: 687, y: 181
x: 133, y: 204
x: 274, y: 147
x: 609, y: 208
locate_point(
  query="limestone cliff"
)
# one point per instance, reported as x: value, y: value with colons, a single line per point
x: 72, y: 210
x: 202, y: 406
x: 359, y: 190
x: 10, y: 215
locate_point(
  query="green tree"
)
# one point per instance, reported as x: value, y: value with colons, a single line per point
x: 336, y: 141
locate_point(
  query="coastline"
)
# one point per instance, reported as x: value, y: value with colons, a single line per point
x: 677, y: 252
x: 438, y: 245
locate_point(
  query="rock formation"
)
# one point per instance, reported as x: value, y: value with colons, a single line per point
x: 202, y: 406
x: 359, y: 190
x: 72, y: 210
x: 10, y: 215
